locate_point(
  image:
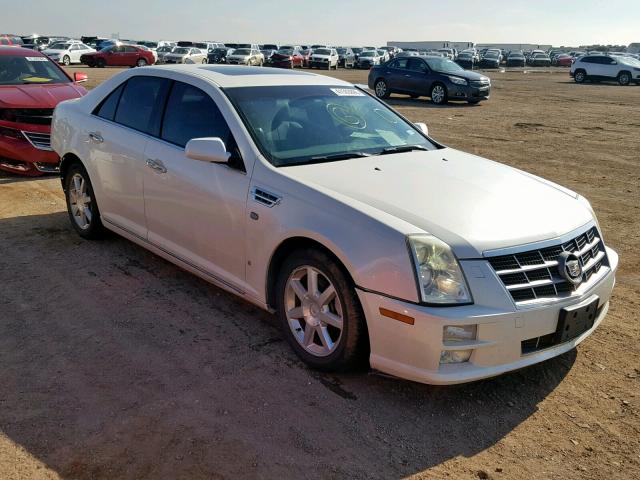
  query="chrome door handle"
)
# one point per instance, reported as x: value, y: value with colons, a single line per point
x: 96, y: 137
x: 156, y: 165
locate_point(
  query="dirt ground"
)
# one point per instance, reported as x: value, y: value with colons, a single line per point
x: 116, y: 364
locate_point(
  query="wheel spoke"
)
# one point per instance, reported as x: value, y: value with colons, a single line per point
x: 312, y: 282
x: 76, y: 183
x: 326, y: 296
x: 330, y: 319
x: 323, y: 333
x: 87, y: 214
x: 309, y: 332
x: 296, y: 312
x: 299, y: 290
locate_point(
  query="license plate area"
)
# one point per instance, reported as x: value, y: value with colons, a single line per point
x: 575, y: 320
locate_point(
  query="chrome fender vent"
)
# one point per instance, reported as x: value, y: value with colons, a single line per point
x: 265, y: 197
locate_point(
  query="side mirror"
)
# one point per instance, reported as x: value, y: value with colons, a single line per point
x: 80, y: 77
x: 422, y: 127
x: 209, y: 149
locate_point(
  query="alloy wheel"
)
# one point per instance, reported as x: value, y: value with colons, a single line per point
x: 381, y: 89
x: 438, y: 94
x: 313, y: 310
x: 80, y: 201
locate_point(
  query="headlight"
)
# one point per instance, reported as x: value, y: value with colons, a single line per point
x: 440, y: 279
x: 458, y: 80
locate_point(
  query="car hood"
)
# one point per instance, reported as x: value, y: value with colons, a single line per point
x: 471, y: 203
x: 38, y: 96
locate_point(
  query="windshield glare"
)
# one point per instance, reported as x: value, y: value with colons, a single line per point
x: 322, y: 51
x: 296, y: 125
x: 181, y: 50
x: 441, y: 64
x: 242, y: 51
x: 29, y: 70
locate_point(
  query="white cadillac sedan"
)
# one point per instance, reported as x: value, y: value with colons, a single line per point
x: 311, y: 198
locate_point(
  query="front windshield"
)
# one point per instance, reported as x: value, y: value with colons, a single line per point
x: 342, y: 50
x: 322, y: 51
x: 181, y: 50
x: 491, y: 55
x: 242, y: 51
x: 285, y: 51
x: 165, y: 49
x: 441, y: 64
x: 297, y: 125
x: 29, y: 70
x: 464, y: 55
x: 368, y: 54
x: 244, y: 45
x: 357, y: 50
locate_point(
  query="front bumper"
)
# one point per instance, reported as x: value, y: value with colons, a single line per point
x: 469, y: 92
x: 318, y: 64
x: 413, y: 351
x: 30, y: 155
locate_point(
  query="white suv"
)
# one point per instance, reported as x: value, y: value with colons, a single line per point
x: 622, y: 69
x: 313, y: 199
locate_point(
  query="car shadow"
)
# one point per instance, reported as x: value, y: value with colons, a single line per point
x: 8, y: 177
x: 404, y: 101
x: 117, y: 364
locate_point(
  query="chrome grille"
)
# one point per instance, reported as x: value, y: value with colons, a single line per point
x: 41, y: 141
x: 533, y: 274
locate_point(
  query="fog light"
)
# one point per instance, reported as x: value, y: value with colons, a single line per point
x: 455, y: 356
x: 454, y: 334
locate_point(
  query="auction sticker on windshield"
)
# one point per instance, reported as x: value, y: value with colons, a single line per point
x: 347, y: 92
x: 37, y: 59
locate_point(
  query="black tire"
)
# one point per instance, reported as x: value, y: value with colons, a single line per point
x: 141, y: 62
x: 95, y: 230
x: 100, y: 63
x: 66, y: 61
x: 439, y: 100
x: 579, y: 76
x: 352, y: 349
x: 383, y: 91
x: 624, y: 78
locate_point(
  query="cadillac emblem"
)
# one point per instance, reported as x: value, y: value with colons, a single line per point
x: 569, y: 268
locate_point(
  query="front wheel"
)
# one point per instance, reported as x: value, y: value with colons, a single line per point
x: 66, y: 61
x: 320, y: 313
x: 624, y: 79
x: 579, y: 76
x: 141, y: 62
x: 439, y: 94
x: 381, y: 89
x: 81, y: 203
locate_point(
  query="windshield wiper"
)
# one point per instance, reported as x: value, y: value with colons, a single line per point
x: 340, y: 156
x: 401, y: 149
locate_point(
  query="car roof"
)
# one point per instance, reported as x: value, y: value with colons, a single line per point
x: 19, y: 51
x: 228, y: 76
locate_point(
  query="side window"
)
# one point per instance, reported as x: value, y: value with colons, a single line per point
x: 141, y: 104
x: 608, y: 60
x: 586, y: 60
x: 416, y: 65
x: 107, y: 109
x: 191, y: 113
x: 401, y: 63
x: 130, y: 49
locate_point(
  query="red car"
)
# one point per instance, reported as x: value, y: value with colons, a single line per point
x: 31, y: 86
x: 119, y: 56
x: 286, y: 58
x: 8, y: 39
x: 563, y: 60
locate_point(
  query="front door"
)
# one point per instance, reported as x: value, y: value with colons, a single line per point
x: 418, y: 80
x: 195, y: 210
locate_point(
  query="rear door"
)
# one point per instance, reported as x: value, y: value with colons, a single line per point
x: 130, y: 55
x: 396, y: 74
x: 117, y: 133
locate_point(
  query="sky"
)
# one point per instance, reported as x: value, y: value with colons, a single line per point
x: 337, y: 22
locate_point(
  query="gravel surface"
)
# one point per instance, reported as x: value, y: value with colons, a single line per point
x: 117, y: 364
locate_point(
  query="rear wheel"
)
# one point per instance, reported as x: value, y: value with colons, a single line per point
x: 439, y: 94
x: 81, y: 203
x: 381, y: 89
x: 320, y: 313
x: 624, y: 78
